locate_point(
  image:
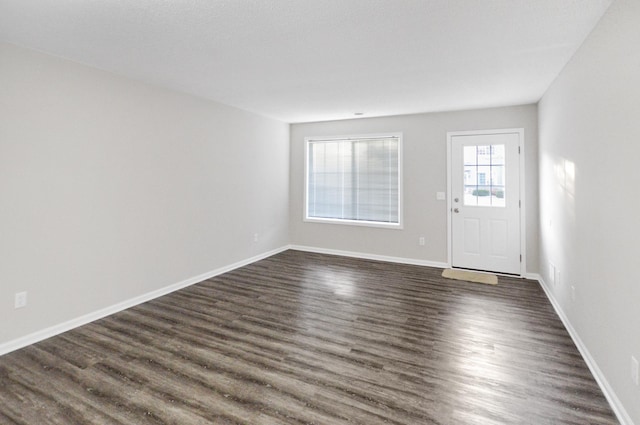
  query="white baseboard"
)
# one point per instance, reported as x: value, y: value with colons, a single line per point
x: 610, y: 395
x: 367, y: 256
x: 533, y: 276
x: 43, y: 334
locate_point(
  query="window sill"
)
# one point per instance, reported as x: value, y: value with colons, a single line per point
x: 361, y: 223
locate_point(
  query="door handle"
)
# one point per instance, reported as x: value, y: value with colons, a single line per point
x: 456, y: 210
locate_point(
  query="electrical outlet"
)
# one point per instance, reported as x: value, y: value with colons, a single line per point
x: 558, y: 278
x: 573, y: 293
x: 20, y: 300
x: 634, y: 371
x: 441, y: 196
x: 255, y: 237
x: 421, y: 241
x: 552, y: 274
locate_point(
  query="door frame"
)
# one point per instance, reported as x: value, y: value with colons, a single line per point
x: 523, y: 227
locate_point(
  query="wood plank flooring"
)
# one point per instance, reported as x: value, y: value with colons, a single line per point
x: 304, y: 338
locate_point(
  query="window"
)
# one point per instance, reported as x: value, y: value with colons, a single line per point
x: 354, y: 180
x: 484, y: 175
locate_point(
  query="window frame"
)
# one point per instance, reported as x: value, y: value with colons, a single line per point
x: 366, y: 223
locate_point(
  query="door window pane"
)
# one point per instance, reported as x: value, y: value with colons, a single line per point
x: 484, y: 175
x: 497, y: 155
x: 484, y: 155
x: 470, y: 155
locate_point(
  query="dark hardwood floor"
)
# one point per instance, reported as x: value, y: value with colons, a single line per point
x: 304, y: 338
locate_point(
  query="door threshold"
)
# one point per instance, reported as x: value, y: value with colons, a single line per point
x: 489, y: 272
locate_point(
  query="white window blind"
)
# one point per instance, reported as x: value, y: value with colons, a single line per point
x: 354, y: 180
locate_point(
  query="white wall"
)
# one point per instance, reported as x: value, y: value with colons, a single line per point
x: 425, y: 173
x: 111, y: 188
x: 590, y: 195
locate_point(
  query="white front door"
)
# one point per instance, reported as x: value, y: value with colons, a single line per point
x: 485, y: 200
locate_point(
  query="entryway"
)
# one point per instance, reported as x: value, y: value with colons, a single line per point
x: 485, y: 202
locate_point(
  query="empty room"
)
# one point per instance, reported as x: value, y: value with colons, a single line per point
x: 319, y: 212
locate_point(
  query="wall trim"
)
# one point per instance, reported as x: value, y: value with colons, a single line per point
x: 534, y: 276
x: 43, y: 334
x: 600, y: 378
x: 366, y: 256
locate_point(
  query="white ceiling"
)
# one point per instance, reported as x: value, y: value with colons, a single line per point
x: 315, y: 60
